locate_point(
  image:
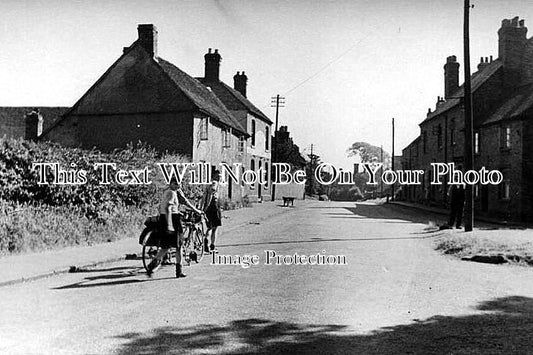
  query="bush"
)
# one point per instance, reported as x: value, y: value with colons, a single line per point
x: 19, y: 180
x: 35, y: 217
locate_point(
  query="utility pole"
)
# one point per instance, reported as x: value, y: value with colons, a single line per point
x: 277, y: 102
x: 469, y: 157
x: 392, y: 156
x: 381, y: 181
x: 311, y: 184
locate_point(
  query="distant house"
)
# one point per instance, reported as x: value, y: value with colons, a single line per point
x: 142, y: 97
x: 502, y: 92
x: 27, y: 122
x: 259, y: 146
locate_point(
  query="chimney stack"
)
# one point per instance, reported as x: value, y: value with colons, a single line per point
x: 512, y: 47
x: 451, y: 76
x: 34, y: 125
x: 239, y: 83
x: 212, y: 65
x: 148, y: 38
x: 483, y: 62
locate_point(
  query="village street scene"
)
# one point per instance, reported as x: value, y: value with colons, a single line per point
x: 229, y: 177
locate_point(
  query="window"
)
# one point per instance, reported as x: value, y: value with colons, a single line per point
x: 476, y: 142
x: 226, y: 138
x: 505, y: 190
x: 253, y: 133
x: 505, y: 137
x: 204, y: 124
x: 266, y: 174
x: 242, y: 144
x: 439, y: 136
x: 267, y: 137
x: 452, y: 132
x: 252, y: 167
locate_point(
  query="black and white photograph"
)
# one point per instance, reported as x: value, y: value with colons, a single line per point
x: 266, y: 177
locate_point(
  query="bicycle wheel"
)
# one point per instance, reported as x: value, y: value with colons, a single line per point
x: 198, y: 241
x: 150, y: 249
x: 187, y: 248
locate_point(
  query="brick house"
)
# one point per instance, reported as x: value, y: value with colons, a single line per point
x: 142, y: 97
x: 502, y: 92
x: 257, y: 124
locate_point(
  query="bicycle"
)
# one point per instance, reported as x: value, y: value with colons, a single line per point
x: 193, y: 244
x: 193, y: 247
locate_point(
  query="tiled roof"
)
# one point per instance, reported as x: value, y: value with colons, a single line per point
x: 233, y: 99
x: 12, y: 119
x: 478, y: 78
x: 518, y: 103
x: 200, y: 95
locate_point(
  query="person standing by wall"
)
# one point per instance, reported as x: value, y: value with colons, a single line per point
x: 211, y: 208
x: 456, y: 194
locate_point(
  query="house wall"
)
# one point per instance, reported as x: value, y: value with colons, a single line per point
x: 211, y: 150
x: 508, y: 161
x: 260, y: 155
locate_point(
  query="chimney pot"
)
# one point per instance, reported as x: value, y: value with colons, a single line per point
x: 209, y: 50
x: 521, y: 23
x: 216, y: 50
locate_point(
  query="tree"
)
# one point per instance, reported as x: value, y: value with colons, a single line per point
x: 369, y: 153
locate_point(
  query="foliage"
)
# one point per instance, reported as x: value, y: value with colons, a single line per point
x: 19, y: 180
x: 35, y: 217
x: 369, y: 153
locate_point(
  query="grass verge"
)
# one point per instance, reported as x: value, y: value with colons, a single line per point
x: 511, y: 245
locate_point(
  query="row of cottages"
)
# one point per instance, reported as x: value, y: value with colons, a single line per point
x: 502, y: 91
x: 142, y: 97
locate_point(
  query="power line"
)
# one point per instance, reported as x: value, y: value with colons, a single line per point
x: 324, y: 67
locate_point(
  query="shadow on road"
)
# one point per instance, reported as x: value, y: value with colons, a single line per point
x: 118, y: 276
x: 395, y: 213
x: 504, y: 328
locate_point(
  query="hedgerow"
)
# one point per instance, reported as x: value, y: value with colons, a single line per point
x: 33, y: 216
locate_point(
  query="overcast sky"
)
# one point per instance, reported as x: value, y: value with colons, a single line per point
x: 345, y: 67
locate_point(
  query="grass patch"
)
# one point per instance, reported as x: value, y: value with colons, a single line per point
x: 514, y: 245
x: 26, y: 228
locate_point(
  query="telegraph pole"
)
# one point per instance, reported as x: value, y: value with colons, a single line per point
x: 469, y: 157
x: 277, y: 102
x: 381, y: 180
x: 392, y: 156
x: 311, y: 184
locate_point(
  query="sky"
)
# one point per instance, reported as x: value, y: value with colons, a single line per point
x: 346, y: 68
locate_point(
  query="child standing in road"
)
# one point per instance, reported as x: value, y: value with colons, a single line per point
x: 170, y: 225
x: 212, y: 210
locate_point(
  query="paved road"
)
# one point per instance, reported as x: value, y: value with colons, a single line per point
x: 395, y: 295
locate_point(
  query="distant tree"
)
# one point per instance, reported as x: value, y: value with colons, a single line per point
x: 369, y: 153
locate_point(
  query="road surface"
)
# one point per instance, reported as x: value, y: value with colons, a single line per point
x: 394, y: 295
